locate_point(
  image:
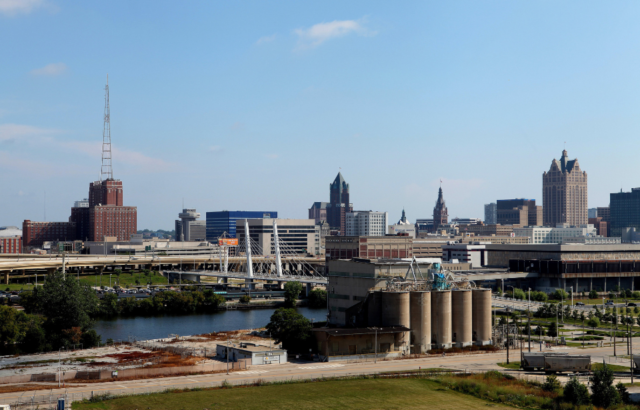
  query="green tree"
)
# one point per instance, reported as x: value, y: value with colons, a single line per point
x: 67, y: 305
x: 625, y: 397
x: 109, y: 305
x: 90, y: 339
x: 593, y: 323
x: 291, y: 329
x: 593, y: 294
x: 245, y: 299
x: 519, y: 294
x: 13, y: 326
x: 318, y: 298
x: 576, y: 392
x: 559, y: 294
x: 552, y: 332
x: 603, y: 393
x: 551, y: 384
x: 291, y: 292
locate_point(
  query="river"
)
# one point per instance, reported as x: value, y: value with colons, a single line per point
x: 156, y: 327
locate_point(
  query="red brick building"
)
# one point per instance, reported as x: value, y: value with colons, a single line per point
x: 368, y: 247
x: 105, y: 216
x: 34, y: 234
x: 11, y: 244
x: 602, y: 227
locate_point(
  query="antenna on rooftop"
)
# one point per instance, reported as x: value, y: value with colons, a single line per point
x: 107, y: 170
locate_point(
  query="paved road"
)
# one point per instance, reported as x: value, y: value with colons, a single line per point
x: 472, y: 362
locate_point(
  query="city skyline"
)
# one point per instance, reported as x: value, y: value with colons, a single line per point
x: 231, y: 121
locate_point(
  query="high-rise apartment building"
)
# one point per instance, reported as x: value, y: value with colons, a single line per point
x: 564, y: 193
x: 366, y: 223
x: 440, y: 213
x: 523, y: 212
x: 624, y: 208
x: 339, y: 205
x: 491, y: 214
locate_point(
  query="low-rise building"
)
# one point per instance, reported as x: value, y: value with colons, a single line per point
x: 602, y: 227
x: 259, y: 355
x: 473, y: 253
x: 591, y: 240
x: 488, y: 230
x: 545, y: 234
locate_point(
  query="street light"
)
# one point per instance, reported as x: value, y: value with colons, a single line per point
x: 529, y: 319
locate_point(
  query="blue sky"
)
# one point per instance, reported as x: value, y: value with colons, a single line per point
x: 257, y: 105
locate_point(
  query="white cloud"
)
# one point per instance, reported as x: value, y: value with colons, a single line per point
x: 50, y: 70
x: 215, y: 148
x: 14, y: 132
x: 94, y: 149
x: 321, y: 32
x: 265, y: 39
x: 13, y: 7
x: 271, y: 156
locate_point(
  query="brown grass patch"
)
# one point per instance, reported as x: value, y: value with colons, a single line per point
x: 29, y: 387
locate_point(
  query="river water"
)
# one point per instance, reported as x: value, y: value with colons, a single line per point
x: 156, y: 327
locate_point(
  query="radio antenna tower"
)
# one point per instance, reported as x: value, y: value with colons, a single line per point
x: 107, y: 170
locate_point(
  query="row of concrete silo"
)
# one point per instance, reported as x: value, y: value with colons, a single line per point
x: 437, y: 319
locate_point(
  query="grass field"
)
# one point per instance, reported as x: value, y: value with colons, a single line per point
x: 346, y: 394
x: 614, y: 367
x: 125, y: 280
x: 511, y: 365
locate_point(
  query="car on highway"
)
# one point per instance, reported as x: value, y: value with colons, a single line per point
x: 631, y: 304
x: 579, y: 303
x: 609, y: 303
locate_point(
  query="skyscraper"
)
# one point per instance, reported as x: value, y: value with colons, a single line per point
x: 338, y: 205
x: 564, y: 193
x: 491, y: 214
x: 440, y: 213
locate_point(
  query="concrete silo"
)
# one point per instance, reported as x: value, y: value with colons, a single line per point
x: 374, y: 309
x: 441, y: 319
x: 481, y: 322
x: 420, y: 307
x: 395, y: 309
x: 461, y: 318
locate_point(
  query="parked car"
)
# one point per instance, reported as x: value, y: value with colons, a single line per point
x: 579, y: 303
x: 631, y: 304
x: 609, y: 303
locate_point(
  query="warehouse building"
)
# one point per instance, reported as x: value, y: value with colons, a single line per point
x: 259, y: 355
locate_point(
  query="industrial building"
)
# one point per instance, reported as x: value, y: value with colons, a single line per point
x: 224, y: 222
x: 154, y: 246
x: 415, y: 305
x: 259, y: 355
x: 582, y: 267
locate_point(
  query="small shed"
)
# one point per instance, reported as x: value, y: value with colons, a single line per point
x: 258, y: 354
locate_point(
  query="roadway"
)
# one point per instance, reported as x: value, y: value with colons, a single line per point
x: 301, y: 370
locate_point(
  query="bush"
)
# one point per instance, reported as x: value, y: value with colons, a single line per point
x: 245, y: 299
x: 623, y: 393
x: 593, y: 294
x: 539, y: 296
x: 576, y: 392
x: 90, y: 339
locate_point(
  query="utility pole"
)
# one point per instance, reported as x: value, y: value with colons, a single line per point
x: 615, y: 309
x: 529, y: 319
x: 507, y: 325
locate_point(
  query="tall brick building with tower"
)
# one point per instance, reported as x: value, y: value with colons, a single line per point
x: 564, y: 193
x: 440, y: 213
x: 106, y: 214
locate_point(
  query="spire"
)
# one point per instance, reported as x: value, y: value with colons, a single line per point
x: 107, y: 171
x: 404, y: 217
